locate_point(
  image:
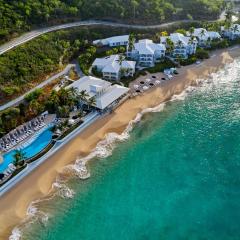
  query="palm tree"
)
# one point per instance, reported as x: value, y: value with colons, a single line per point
x: 131, y: 42
x: 180, y: 44
x: 35, y: 107
x: 170, y: 45
x: 91, y: 102
x: 202, y: 33
x: 19, y: 158
x: 235, y: 28
x: 121, y: 59
x: 191, y: 31
x: 83, y: 96
x: 63, y: 94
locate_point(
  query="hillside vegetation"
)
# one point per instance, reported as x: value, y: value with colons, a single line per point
x: 18, y: 16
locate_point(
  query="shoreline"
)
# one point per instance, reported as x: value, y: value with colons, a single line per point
x: 14, y: 204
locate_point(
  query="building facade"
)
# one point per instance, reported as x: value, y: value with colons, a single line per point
x: 114, y: 67
x: 146, y: 53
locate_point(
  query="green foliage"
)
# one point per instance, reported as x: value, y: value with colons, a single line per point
x: 182, y: 31
x: 19, y: 16
x: 202, y: 54
x: 188, y: 61
x: 159, y: 67
x: 8, y: 90
x: 61, y: 103
x: 33, y: 95
x: 19, y: 158
x: 219, y: 44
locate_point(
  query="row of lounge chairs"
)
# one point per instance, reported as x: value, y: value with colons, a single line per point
x: 7, y: 173
x: 21, y: 133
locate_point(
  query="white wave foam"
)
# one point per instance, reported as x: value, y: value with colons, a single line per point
x: 105, y: 147
x: 62, y: 190
x: 16, y: 234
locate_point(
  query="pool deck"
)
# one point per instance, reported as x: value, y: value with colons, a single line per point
x: 88, y: 120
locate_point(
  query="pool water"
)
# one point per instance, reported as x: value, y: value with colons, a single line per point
x: 31, y: 150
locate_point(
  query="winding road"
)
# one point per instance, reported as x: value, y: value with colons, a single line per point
x: 65, y: 71
x: 35, y: 33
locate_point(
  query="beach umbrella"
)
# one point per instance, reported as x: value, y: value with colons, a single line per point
x: 136, y: 86
x: 157, y: 82
x: 148, y: 80
x: 145, y: 88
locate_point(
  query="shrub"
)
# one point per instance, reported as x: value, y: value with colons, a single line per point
x: 202, y: 54
x: 188, y: 61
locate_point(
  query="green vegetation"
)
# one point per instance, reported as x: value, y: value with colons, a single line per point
x: 190, y: 60
x: 159, y: 67
x: 19, y: 16
x: 19, y: 158
x: 201, y: 54
x: 61, y: 103
x: 87, y: 57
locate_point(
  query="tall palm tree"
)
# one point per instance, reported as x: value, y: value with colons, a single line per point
x: 63, y: 94
x: 202, y: 33
x: 91, y: 102
x: 191, y: 31
x: 170, y: 45
x: 235, y: 28
x: 131, y: 42
x: 121, y: 59
x: 179, y: 43
x: 83, y: 96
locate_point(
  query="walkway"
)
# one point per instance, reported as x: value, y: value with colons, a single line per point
x: 92, y: 117
x: 35, y: 33
x: 41, y: 85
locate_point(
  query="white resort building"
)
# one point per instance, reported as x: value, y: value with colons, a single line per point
x: 147, y: 53
x: 204, y: 36
x: 183, y: 46
x: 115, y: 41
x: 114, y: 67
x: 105, y: 94
x: 232, y: 33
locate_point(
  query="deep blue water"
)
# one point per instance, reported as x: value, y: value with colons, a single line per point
x: 177, y: 177
x: 35, y: 147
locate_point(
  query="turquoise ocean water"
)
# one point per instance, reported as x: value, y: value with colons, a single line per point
x: 176, y: 177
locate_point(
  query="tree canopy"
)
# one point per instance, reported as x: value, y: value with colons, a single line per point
x: 19, y: 16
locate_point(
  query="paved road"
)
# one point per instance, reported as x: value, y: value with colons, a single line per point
x: 92, y: 117
x: 35, y: 33
x: 41, y: 85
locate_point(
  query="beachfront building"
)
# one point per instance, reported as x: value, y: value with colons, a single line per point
x: 232, y: 33
x: 114, y: 67
x: 183, y: 46
x: 147, y: 53
x: 115, y: 41
x: 104, y: 93
x: 205, y: 37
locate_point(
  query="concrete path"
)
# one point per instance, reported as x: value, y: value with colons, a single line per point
x: 35, y: 33
x: 44, y: 83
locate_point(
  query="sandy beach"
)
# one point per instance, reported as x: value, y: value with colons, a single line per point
x: 14, y: 204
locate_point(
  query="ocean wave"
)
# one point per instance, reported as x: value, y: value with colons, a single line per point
x: 105, y: 148
x: 16, y: 234
x: 63, y: 190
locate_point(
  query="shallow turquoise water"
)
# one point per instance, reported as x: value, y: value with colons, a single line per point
x: 35, y: 147
x: 177, y: 177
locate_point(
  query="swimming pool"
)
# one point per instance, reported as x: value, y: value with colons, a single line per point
x: 31, y: 150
